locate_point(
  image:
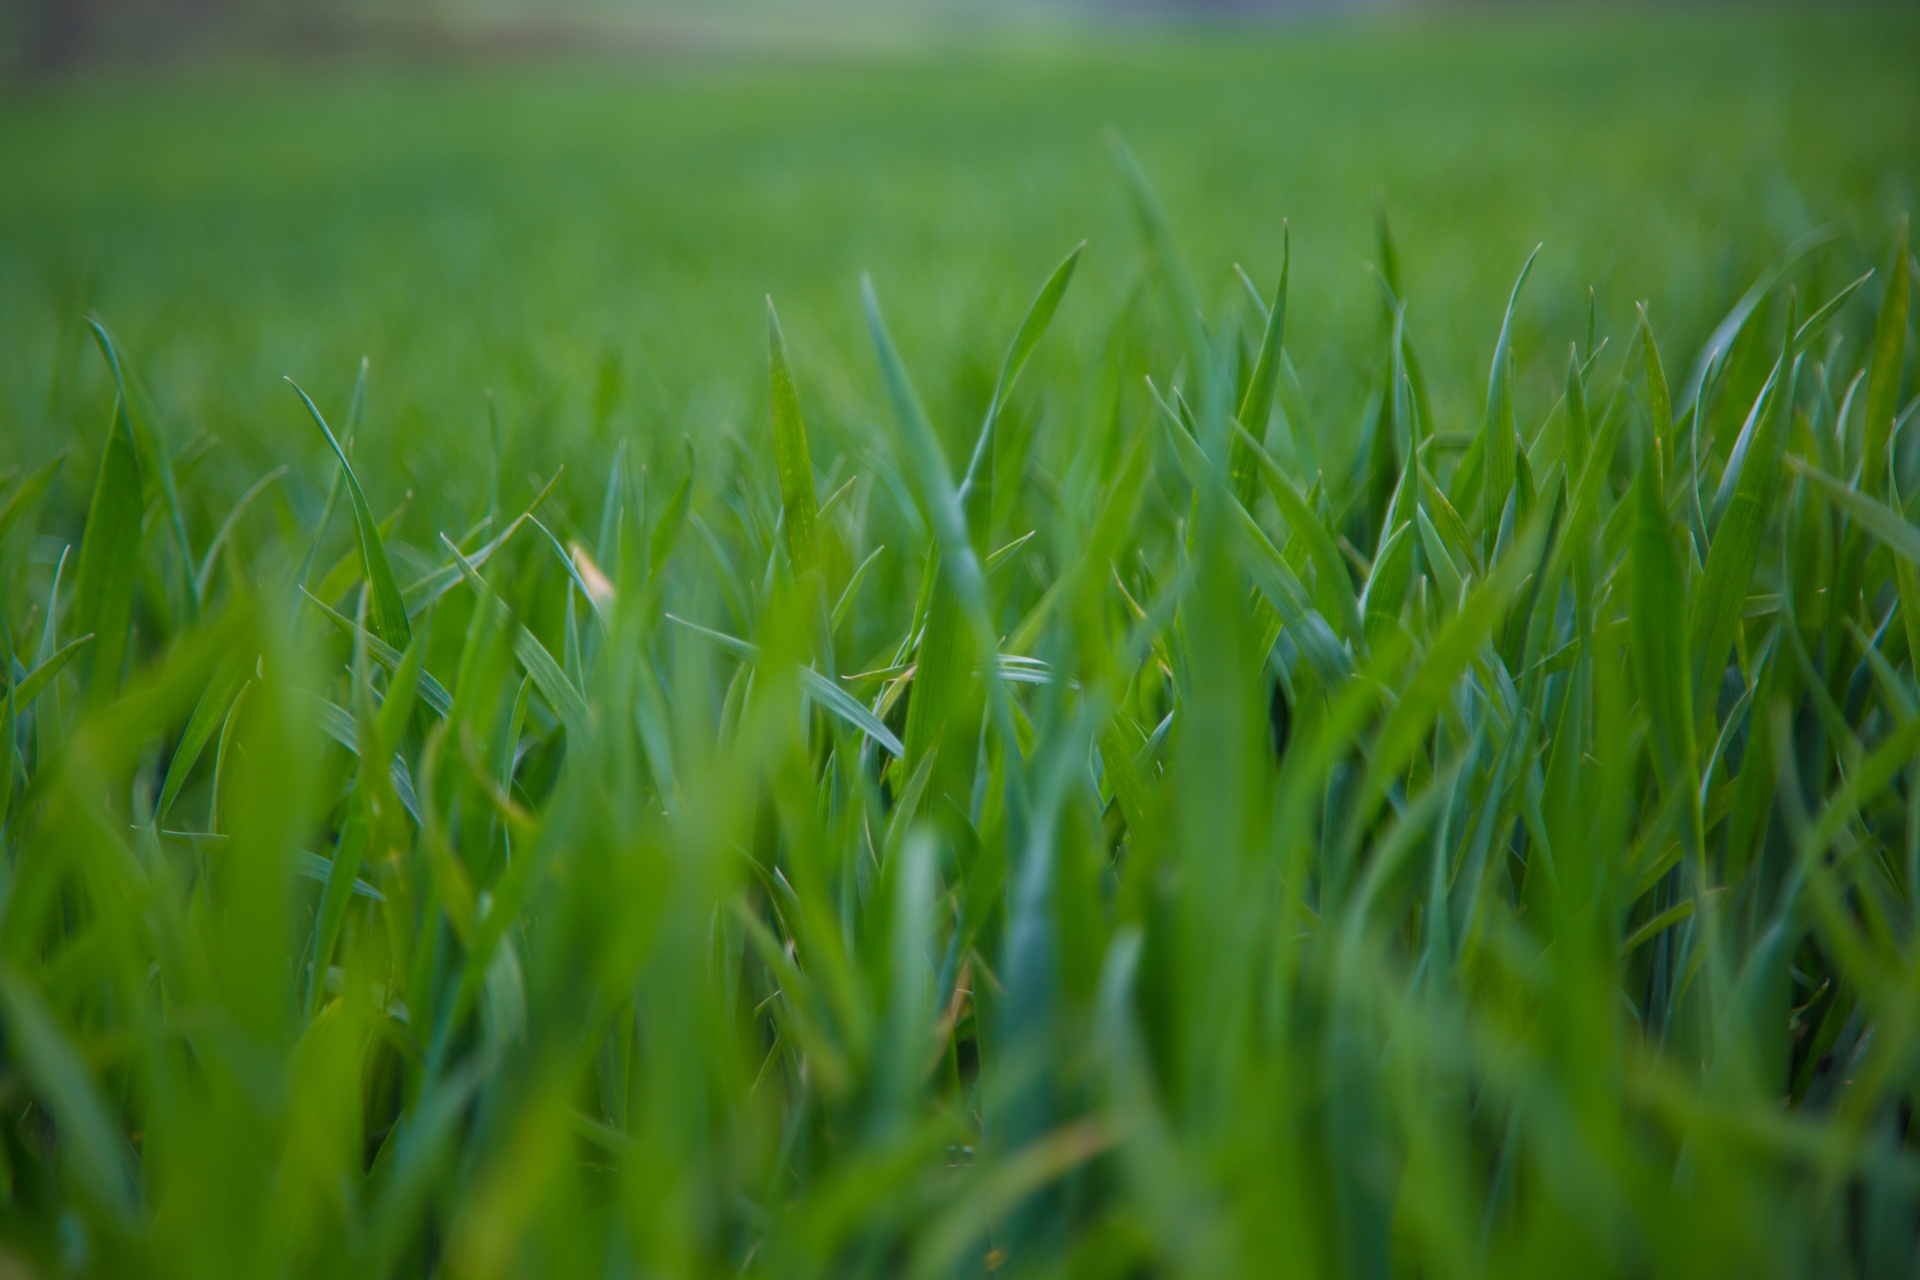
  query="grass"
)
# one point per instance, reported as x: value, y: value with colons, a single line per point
x: 1126, y: 770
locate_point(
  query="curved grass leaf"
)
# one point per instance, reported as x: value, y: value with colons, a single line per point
x: 389, y: 608
x: 1735, y: 549
x: 24, y: 690
x: 830, y: 695
x: 1501, y: 440
x: 1720, y: 342
x: 208, y: 713
x: 1269, y: 569
x: 431, y: 690
x: 1330, y: 565
x: 560, y: 693
x: 1810, y: 329
x: 1025, y: 339
x: 204, y: 574
x: 29, y: 492
x: 1883, y: 522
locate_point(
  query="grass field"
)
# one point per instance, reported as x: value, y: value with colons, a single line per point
x: 1039, y: 760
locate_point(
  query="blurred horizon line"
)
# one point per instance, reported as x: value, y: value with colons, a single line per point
x: 53, y: 38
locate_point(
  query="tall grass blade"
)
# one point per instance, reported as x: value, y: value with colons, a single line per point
x: 389, y: 609
x: 792, y: 461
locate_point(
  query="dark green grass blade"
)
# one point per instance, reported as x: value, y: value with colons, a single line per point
x: 1889, y: 357
x: 201, y: 726
x: 109, y: 557
x: 99, y: 1157
x: 29, y: 492
x: 152, y: 453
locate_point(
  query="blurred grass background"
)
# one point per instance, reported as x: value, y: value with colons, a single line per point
x: 591, y: 238
x: 1199, y: 1011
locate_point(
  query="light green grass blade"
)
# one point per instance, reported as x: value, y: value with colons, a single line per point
x: 1579, y: 425
x: 1810, y: 330
x: 1742, y: 444
x: 1025, y: 339
x: 389, y: 608
x: 1883, y: 522
x: 927, y: 464
x: 1720, y: 342
x: 1387, y: 584
x: 1165, y: 254
x: 1735, y: 549
x: 1330, y: 564
x: 431, y: 690
x: 560, y: 693
x: 830, y: 695
x: 1451, y: 529
x: 848, y: 594
x: 1658, y: 619
x: 1659, y: 401
x: 1270, y: 572
x: 792, y: 461
x: 673, y: 520
x: 207, y: 715
x: 28, y: 687
x: 1501, y: 441
x: 204, y: 575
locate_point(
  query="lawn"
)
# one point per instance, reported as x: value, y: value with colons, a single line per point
x: 1184, y: 706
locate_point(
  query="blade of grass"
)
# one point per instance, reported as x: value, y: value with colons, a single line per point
x: 792, y: 461
x: 1889, y: 358
x: 109, y: 557
x: 389, y: 608
x: 830, y: 695
x: 1501, y: 440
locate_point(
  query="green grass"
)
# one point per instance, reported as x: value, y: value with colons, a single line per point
x: 1077, y: 763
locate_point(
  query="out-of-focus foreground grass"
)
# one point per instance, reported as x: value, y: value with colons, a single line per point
x: 1137, y: 770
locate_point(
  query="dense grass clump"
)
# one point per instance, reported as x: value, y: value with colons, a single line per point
x: 1451, y: 846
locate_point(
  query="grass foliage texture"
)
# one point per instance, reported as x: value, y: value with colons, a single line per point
x: 1148, y: 827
